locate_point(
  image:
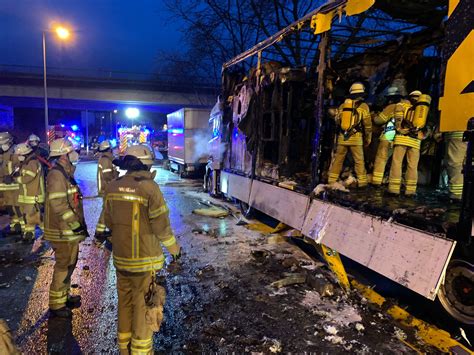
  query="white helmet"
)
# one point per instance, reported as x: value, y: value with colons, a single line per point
x: 104, y: 145
x: 393, y: 91
x: 22, y: 149
x: 142, y: 152
x: 415, y: 93
x: 33, y: 140
x: 60, y: 147
x: 357, y: 88
x: 5, y: 138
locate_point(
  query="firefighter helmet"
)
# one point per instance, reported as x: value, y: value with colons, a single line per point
x: 5, y: 138
x: 142, y: 152
x: 22, y: 149
x: 357, y: 88
x: 60, y: 147
x: 33, y: 140
x: 393, y: 91
x: 104, y: 146
x: 415, y: 93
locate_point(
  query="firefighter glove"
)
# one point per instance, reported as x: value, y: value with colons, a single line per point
x: 80, y: 230
x: 8, y: 179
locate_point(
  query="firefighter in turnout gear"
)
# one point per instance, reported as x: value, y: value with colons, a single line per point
x: 137, y: 216
x: 64, y: 225
x: 106, y: 172
x: 386, y: 118
x: 409, y: 120
x: 9, y: 170
x: 355, y: 127
x: 455, y: 155
x: 31, y: 197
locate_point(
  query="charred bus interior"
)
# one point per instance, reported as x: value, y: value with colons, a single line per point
x: 273, y: 121
x: 272, y: 108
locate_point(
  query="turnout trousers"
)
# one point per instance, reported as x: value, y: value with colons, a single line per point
x: 411, y: 175
x: 32, y: 218
x: 100, y: 227
x: 357, y: 152
x: 17, y: 222
x: 134, y: 335
x: 455, y: 155
x: 383, y: 153
x: 66, y: 259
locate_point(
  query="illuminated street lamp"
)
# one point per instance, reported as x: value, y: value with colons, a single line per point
x: 132, y: 113
x: 64, y: 34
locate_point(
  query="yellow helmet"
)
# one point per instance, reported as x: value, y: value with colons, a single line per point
x: 22, y: 149
x: 60, y: 147
x: 105, y: 145
x: 357, y: 88
x: 142, y: 152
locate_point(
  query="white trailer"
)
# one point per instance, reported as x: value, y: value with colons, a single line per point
x: 188, y: 135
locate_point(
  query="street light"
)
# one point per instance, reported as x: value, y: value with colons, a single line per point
x: 63, y: 33
x: 132, y: 113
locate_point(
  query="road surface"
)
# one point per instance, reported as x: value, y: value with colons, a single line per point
x: 220, y: 297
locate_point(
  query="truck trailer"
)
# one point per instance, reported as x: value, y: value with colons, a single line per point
x: 273, y: 138
x: 188, y: 136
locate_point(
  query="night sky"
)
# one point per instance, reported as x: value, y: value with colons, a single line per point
x: 118, y: 35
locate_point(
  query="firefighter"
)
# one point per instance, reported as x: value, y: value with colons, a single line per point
x: 41, y: 153
x: 31, y: 181
x: 386, y: 118
x: 106, y: 173
x: 64, y: 225
x: 409, y: 120
x: 10, y: 168
x: 455, y: 154
x: 137, y: 216
x: 355, y: 127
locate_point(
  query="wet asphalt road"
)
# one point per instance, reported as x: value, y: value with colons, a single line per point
x: 219, y: 299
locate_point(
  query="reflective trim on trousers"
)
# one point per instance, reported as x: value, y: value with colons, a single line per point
x: 123, y: 340
x: 142, y: 346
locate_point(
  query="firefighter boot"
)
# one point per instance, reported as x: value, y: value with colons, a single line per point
x: 63, y: 312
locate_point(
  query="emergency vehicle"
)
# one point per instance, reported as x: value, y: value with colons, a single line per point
x: 273, y: 138
x: 71, y: 132
x: 133, y: 135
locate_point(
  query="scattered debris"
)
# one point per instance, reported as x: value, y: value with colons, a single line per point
x: 275, y: 239
x: 27, y: 278
x: 214, y: 212
x: 289, y: 262
x: 330, y: 329
x: 289, y: 280
x: 326, y: 187
x: 275, y: 346
x: 463, y: 334
x: 279, y: 292
x: 400, y: 334
x: 400, y: 211
x: 320, y: 285
x: 335, y: 339
x: 359, y: 327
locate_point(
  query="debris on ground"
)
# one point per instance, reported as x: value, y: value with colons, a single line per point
x: 275, y: 346
x: 318, y: 190
x: 214, y: 212
x: 290, y: 280
x: 400, y: 334
x: 359, y: 327
x: 330, y: 329
x: 276, y: 238
x: 335, y: 339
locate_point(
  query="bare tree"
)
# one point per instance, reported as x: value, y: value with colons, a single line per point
x: 217, y: 30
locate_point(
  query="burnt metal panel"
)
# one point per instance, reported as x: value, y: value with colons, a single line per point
x: 412, y: 258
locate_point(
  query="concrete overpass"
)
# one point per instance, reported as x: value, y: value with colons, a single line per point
x: 18, y: 89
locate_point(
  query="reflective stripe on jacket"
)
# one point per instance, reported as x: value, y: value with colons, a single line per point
x: 10, y: 163
x: 403, y: 136
x: 31, y: 182
x: 63, y: 205
x: 136, y: 213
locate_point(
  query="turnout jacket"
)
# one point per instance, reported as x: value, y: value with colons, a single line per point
x: 106, y: 172
x: 63, y: 207
x: 31, y: 182
x: 10, y: 165
x: 404, y: 134
x: 136, y: 213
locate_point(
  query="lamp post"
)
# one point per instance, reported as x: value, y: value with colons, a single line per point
x: 63, y: 33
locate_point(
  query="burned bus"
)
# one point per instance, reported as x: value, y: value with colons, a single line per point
x: 274, y: 138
